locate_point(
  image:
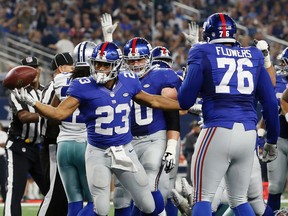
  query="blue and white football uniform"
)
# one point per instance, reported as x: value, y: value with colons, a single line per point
x: 228, y: 79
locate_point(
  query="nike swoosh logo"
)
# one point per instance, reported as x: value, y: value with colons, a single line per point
x: 131, y: 150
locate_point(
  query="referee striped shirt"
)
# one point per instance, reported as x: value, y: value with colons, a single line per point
x: 19, y: 130
x: 47, y: 127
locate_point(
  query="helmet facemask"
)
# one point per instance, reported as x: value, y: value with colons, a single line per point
x: 109, y: 72
x: 141, y: 69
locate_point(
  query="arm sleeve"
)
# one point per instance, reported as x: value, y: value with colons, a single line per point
x: 190, y: 88
x: 268, y: 100
x: 172, y: 120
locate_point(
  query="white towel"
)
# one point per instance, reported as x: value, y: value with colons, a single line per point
x: 120, y: 160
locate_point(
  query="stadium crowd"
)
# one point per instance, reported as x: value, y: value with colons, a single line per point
x: 62, y: 25
x: 56, y: 24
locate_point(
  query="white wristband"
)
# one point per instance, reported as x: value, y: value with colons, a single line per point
x: 171, y: 145
x: 286, y: 117
x: 267, y: 61
x: 261, y: 132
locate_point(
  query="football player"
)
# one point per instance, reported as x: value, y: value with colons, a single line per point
x: 228, y: 77
x: 104, y: 99
x: 277, y: 169
x: 149, y: 126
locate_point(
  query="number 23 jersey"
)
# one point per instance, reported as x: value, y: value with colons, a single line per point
x: 107, y: 112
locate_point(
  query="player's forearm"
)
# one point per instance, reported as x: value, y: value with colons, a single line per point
x: 160, y: 102
x: 272, y: 73
x: 50, y: 112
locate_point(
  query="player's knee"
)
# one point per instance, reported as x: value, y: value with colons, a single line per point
x: 122, y: 198
x: 146, y: 203
x: 102, y: 207
x: 276, y: 188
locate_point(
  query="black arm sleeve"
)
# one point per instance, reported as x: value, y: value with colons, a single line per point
x: 172, y: 120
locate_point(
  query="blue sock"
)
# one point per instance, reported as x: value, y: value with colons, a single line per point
x: 214, y: 214
x: 159, y: 201
x: 202, y: 208
x: 88, y: 210
x: 268, y: 211
x: 274, y: 201
x: 123, y: 211
x: 171, y: 210
x: 74, y: 208
x: 244, y: 210
x: 136, y: 211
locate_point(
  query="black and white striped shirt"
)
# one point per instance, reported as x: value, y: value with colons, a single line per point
x: 24, y: 131
x: 48, y: 128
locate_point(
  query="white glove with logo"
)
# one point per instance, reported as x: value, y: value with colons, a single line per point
x: 169, y: 158
x: 264, y: 47
x: 270, y: 152
x: 193, y: 36
x: 22, y: 95
x: 107, y: 27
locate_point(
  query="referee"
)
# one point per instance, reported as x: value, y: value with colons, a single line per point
x: 55, y: 202
x: 23, y: 145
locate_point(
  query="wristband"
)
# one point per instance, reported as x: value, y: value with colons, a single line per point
x: 267, y: 61
x: 171, y: 145
x: 261, y: 132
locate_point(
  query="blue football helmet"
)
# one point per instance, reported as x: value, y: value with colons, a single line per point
x: 282, y: 68
x: 109, y: 55
x: 137, y: 49
x: 161, y: 64
x: 161, y: 53
x: 82, y: 54
x: 219, y: 28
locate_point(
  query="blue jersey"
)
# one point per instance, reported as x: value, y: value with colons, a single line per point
x: 229, y: 79
x: 146, y: 120
x: 107, y: 112
x: 281, y: 85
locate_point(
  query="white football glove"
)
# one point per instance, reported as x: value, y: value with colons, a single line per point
x: 107, y: 27
x: 195, y: 109
x: 193, y: 36
x: 169, y: 158
x: 263, y: 46
x: 22, y: 95
x: 270, y: 152
x: 187, y: 190
x: 181, y: 203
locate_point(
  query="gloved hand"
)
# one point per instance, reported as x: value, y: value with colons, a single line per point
x: 181, y: 203
x: 264, y: 47
x: 260, y: 146
x: 187, y: 190
x: 193, y: 36
x: 195, y: 109
x: 22, y: 95
x: 107, y: 27
x: 169, y: 158
x: 270, y: 152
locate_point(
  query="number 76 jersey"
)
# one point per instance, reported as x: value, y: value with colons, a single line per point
x: 229, y: 79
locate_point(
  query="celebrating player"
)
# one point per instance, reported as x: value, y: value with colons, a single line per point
x: 104, y: 100
x: 228, y: 77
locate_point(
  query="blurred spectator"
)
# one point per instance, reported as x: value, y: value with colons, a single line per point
x: 64, y: 44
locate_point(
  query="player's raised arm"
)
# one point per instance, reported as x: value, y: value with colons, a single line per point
x: 65, y: 108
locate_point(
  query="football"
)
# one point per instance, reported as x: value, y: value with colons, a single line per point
x: 19, y: 77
